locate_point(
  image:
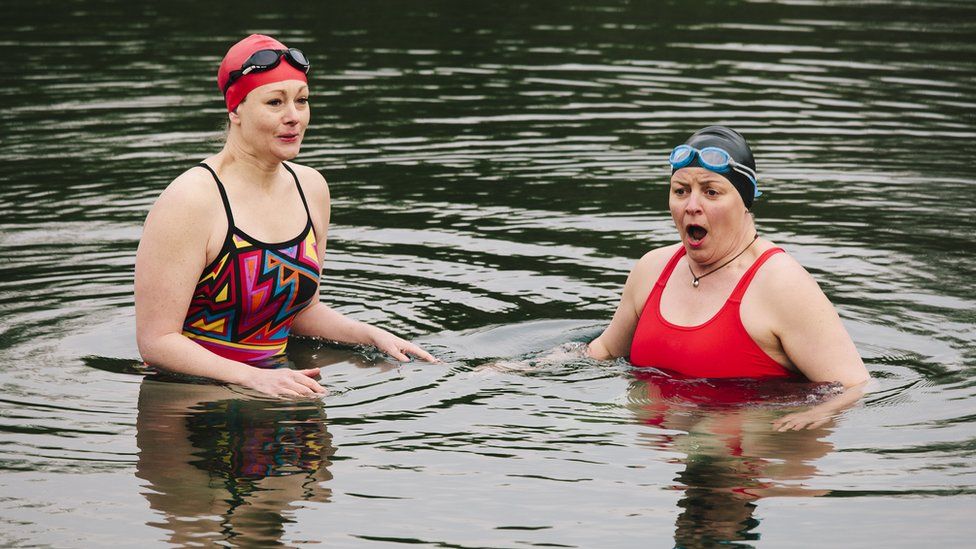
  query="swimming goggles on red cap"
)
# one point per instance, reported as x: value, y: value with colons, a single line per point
x: 265, y: 60
x: 712, y: 159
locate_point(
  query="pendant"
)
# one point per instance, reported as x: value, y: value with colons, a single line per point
x: 695, y: 282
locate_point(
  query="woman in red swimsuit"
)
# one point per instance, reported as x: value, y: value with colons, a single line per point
x: 725, y: 303
x: 231, y: 253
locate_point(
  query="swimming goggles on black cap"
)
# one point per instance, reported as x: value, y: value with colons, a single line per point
x: 712, y: 159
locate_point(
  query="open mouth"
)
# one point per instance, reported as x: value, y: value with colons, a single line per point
x: 696, y: 232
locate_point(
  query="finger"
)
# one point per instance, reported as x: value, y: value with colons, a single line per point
x: 310, y: 372
x: 287, y: 393
x: 395, y: 353
x: 420, y: 353
x: 299, y: 383
x: 302, y: 391
x: 310, y: 384
x: 819, y: 423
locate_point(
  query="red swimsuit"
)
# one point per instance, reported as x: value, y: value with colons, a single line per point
x: 719, y: 348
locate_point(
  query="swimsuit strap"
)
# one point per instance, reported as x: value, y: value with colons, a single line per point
x: 300, y: 192
x: 743, y: 285
x: 662, y: 280
x: 223, y: 197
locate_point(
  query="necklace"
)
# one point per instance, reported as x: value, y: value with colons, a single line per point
x: 697, y: 278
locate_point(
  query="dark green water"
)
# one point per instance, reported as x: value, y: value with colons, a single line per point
x: 496, y: 168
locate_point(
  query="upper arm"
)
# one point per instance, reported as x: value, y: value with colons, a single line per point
x: 319, y: 200
x: 172, y: 253
x: 809, y: 328
x: 619, y: 335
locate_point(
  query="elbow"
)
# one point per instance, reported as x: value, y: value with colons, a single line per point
x: 597, y: 350
x: 854, y: 380
x: 146, y: 349
x: 857, y: 381
x: 151, y: 347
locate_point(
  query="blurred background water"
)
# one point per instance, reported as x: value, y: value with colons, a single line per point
x: 496, y: 169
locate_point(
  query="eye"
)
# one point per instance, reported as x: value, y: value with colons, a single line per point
x: 274, y: 102
x: 302, y: 101
x: 711, y: 192
x: 678, y: 191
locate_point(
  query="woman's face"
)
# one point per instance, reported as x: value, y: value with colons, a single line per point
x: 708, y: 213
x: 273, y: 118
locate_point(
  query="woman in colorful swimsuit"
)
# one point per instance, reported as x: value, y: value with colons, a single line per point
x: 725, y: 303
x: 231, y: 254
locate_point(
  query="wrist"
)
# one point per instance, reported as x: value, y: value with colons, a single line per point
x: 241, y: 374
x: 371, y: 334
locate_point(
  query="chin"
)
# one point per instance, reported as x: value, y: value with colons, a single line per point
x: 286, y: 153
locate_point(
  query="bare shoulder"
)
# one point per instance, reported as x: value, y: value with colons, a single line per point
x: 317, y: 195
x: 181, y: 223
x: 191, y: 195
x: 653, y: 262
x: 645, y: 273
x: 313, y: 183
x: 784, y: 283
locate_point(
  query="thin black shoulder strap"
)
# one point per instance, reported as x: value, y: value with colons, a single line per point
x: 300, y: 192
x: 223, y: 196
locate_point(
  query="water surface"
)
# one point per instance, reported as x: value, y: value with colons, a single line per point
x: 496, y: 169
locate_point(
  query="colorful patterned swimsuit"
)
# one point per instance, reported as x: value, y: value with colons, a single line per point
x: 247, y: 298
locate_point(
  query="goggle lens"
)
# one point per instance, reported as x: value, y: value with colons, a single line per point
x: 262, y: 58
x: 714, y: 158
x: 299, y: 58
x: 681, y: 155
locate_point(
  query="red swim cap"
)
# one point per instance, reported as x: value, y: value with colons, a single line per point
x: 238, y: 54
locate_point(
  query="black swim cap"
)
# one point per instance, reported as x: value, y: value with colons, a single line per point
x: 733, y: 143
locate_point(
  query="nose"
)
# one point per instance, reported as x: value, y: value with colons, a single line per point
x: 291, y: 114
x: 693, y: 204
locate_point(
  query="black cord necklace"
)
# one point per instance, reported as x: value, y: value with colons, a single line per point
x: 697, y: 278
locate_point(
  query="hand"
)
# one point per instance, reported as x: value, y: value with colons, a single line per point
x: 807, y: 419
x: 398, y: 348
x: 285, y: 382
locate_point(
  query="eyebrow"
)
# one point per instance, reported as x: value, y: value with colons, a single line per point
x: 284, y: 91
x: 706, y: 180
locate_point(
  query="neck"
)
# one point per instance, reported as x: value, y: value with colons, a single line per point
x: 238, y: 157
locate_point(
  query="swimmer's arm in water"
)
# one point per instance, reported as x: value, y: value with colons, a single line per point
x: 819, y: 415
x: 172, y: 254
x: 615, y: 341
x: 816, y: 342
x: 320, y: 320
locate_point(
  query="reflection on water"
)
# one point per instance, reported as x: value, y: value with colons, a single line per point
x: 496, y: 169
x: 731, y: 457
x: 223, y: 469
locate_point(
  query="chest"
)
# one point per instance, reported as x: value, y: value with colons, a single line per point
x: 684, y: 304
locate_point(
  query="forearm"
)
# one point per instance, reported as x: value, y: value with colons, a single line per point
x: 841, y: 402
x: 821, y: 414
x: 598, y: 350
x: 176, y: 353
x: 320, y: 320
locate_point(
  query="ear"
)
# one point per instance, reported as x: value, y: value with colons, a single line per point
x: 235, y: 119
